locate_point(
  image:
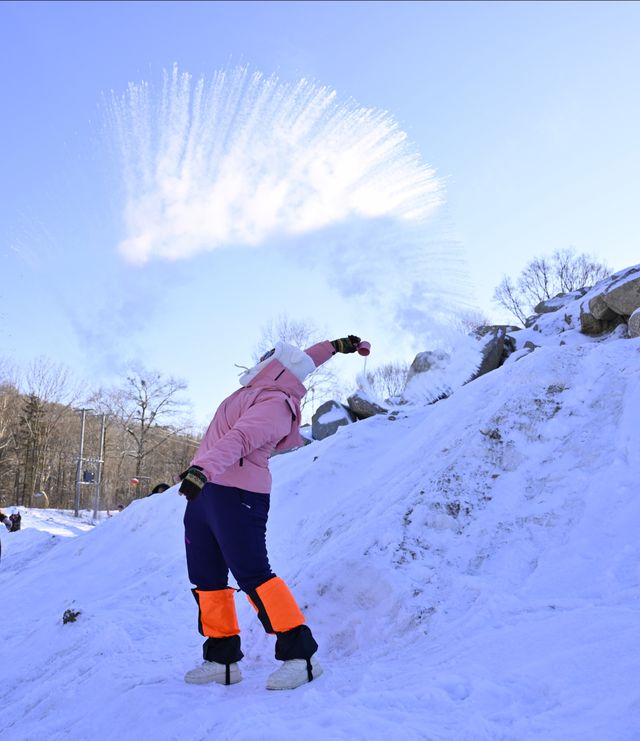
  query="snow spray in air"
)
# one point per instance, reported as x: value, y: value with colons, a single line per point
x: 236, y: 159
x: 241, y: 158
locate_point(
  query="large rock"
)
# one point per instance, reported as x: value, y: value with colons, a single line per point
x: 634, y: 324
x: 623, y: 295
x: 549, y: 305
x: 363, y: 407
x: 558, y: 301
x: 593, y: 327
x: 497, y: 347
x: 494, y: 329
x: 425, y: 361
x: 328, y: 417
x: 600, y: 310
x: 436, y: 361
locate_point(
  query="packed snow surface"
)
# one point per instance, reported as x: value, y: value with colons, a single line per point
x: 471, y: 570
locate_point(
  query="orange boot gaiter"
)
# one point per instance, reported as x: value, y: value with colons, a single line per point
x: 217, y: 620
x: 276, y: 606
x: 217, y: 612
x: 279, y: 613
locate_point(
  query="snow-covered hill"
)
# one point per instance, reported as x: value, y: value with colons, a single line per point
x: 471, y: 570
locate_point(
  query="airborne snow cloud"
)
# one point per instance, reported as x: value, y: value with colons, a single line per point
x: 242, y: 157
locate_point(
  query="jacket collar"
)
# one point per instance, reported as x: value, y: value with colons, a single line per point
x: 275, y: 375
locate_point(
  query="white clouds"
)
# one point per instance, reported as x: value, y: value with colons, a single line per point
x: 241, y: 158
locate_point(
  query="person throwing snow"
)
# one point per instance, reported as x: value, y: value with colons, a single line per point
x: 227, y: 488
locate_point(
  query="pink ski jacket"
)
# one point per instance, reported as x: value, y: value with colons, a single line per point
x: 257, y: 420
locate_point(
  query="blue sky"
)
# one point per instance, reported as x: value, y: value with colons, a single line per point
x: 527, y: 112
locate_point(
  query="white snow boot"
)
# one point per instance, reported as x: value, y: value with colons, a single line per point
x: 293, y: 673
x: 211, y: 671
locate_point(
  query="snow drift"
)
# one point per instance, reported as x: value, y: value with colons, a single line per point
x: 471, y: 570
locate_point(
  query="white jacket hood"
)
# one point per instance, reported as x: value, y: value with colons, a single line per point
x: 295, y: 360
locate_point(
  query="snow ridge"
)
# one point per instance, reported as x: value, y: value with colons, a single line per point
x: 471, y: 570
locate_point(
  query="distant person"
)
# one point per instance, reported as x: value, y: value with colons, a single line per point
x: 11, y: 522
x: 5, y: 520
x: 227, y: 488
x: 158, y: 489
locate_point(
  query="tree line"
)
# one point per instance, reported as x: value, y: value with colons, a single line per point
x: 147, y: 437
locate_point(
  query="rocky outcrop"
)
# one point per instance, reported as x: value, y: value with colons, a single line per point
x: 328, y: 417
x: 623, y: 295
x: 593, y: 327
x: 496, y: 346
x: 612, y: 304
x: 599, y: 309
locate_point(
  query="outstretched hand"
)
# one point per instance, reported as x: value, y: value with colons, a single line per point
x: 346, y: 344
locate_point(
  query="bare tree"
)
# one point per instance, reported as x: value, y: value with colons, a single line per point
x: 508, y: 296
x: 50, y: 393
x: 387, y: 382
x: 147, y: 406
x: 472, y: 320
x: 8, y: 399
x: 294, y: 331
x: 9, y: 412
x: 301, y: 333
x: 543, y: 278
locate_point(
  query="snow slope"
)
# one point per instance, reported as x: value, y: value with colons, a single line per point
x: 470, y: 569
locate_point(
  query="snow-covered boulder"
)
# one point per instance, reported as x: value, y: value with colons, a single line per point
x: 426, y: 361
x: 435, y: 362
x: 558, y: 301
x: 328, y: 417
x: 623, y: 295
x: 611, y: 302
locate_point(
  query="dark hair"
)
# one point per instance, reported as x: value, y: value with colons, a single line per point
x: 158, y: 488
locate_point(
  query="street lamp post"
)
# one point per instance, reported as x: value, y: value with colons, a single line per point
x: 83, y: 413
x: 99, y: 467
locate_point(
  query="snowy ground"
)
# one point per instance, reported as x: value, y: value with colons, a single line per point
x: 471, y: 571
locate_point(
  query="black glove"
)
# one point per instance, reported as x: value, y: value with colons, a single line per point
x: 346, y: 344
x: 193, y: 481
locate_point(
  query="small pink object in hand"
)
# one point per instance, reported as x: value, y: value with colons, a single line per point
x: 364, y: 348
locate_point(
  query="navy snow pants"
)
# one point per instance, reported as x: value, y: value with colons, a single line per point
x: 225, y: 530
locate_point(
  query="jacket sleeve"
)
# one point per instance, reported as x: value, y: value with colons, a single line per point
x: 265, y: 422
x: 320, y: 352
